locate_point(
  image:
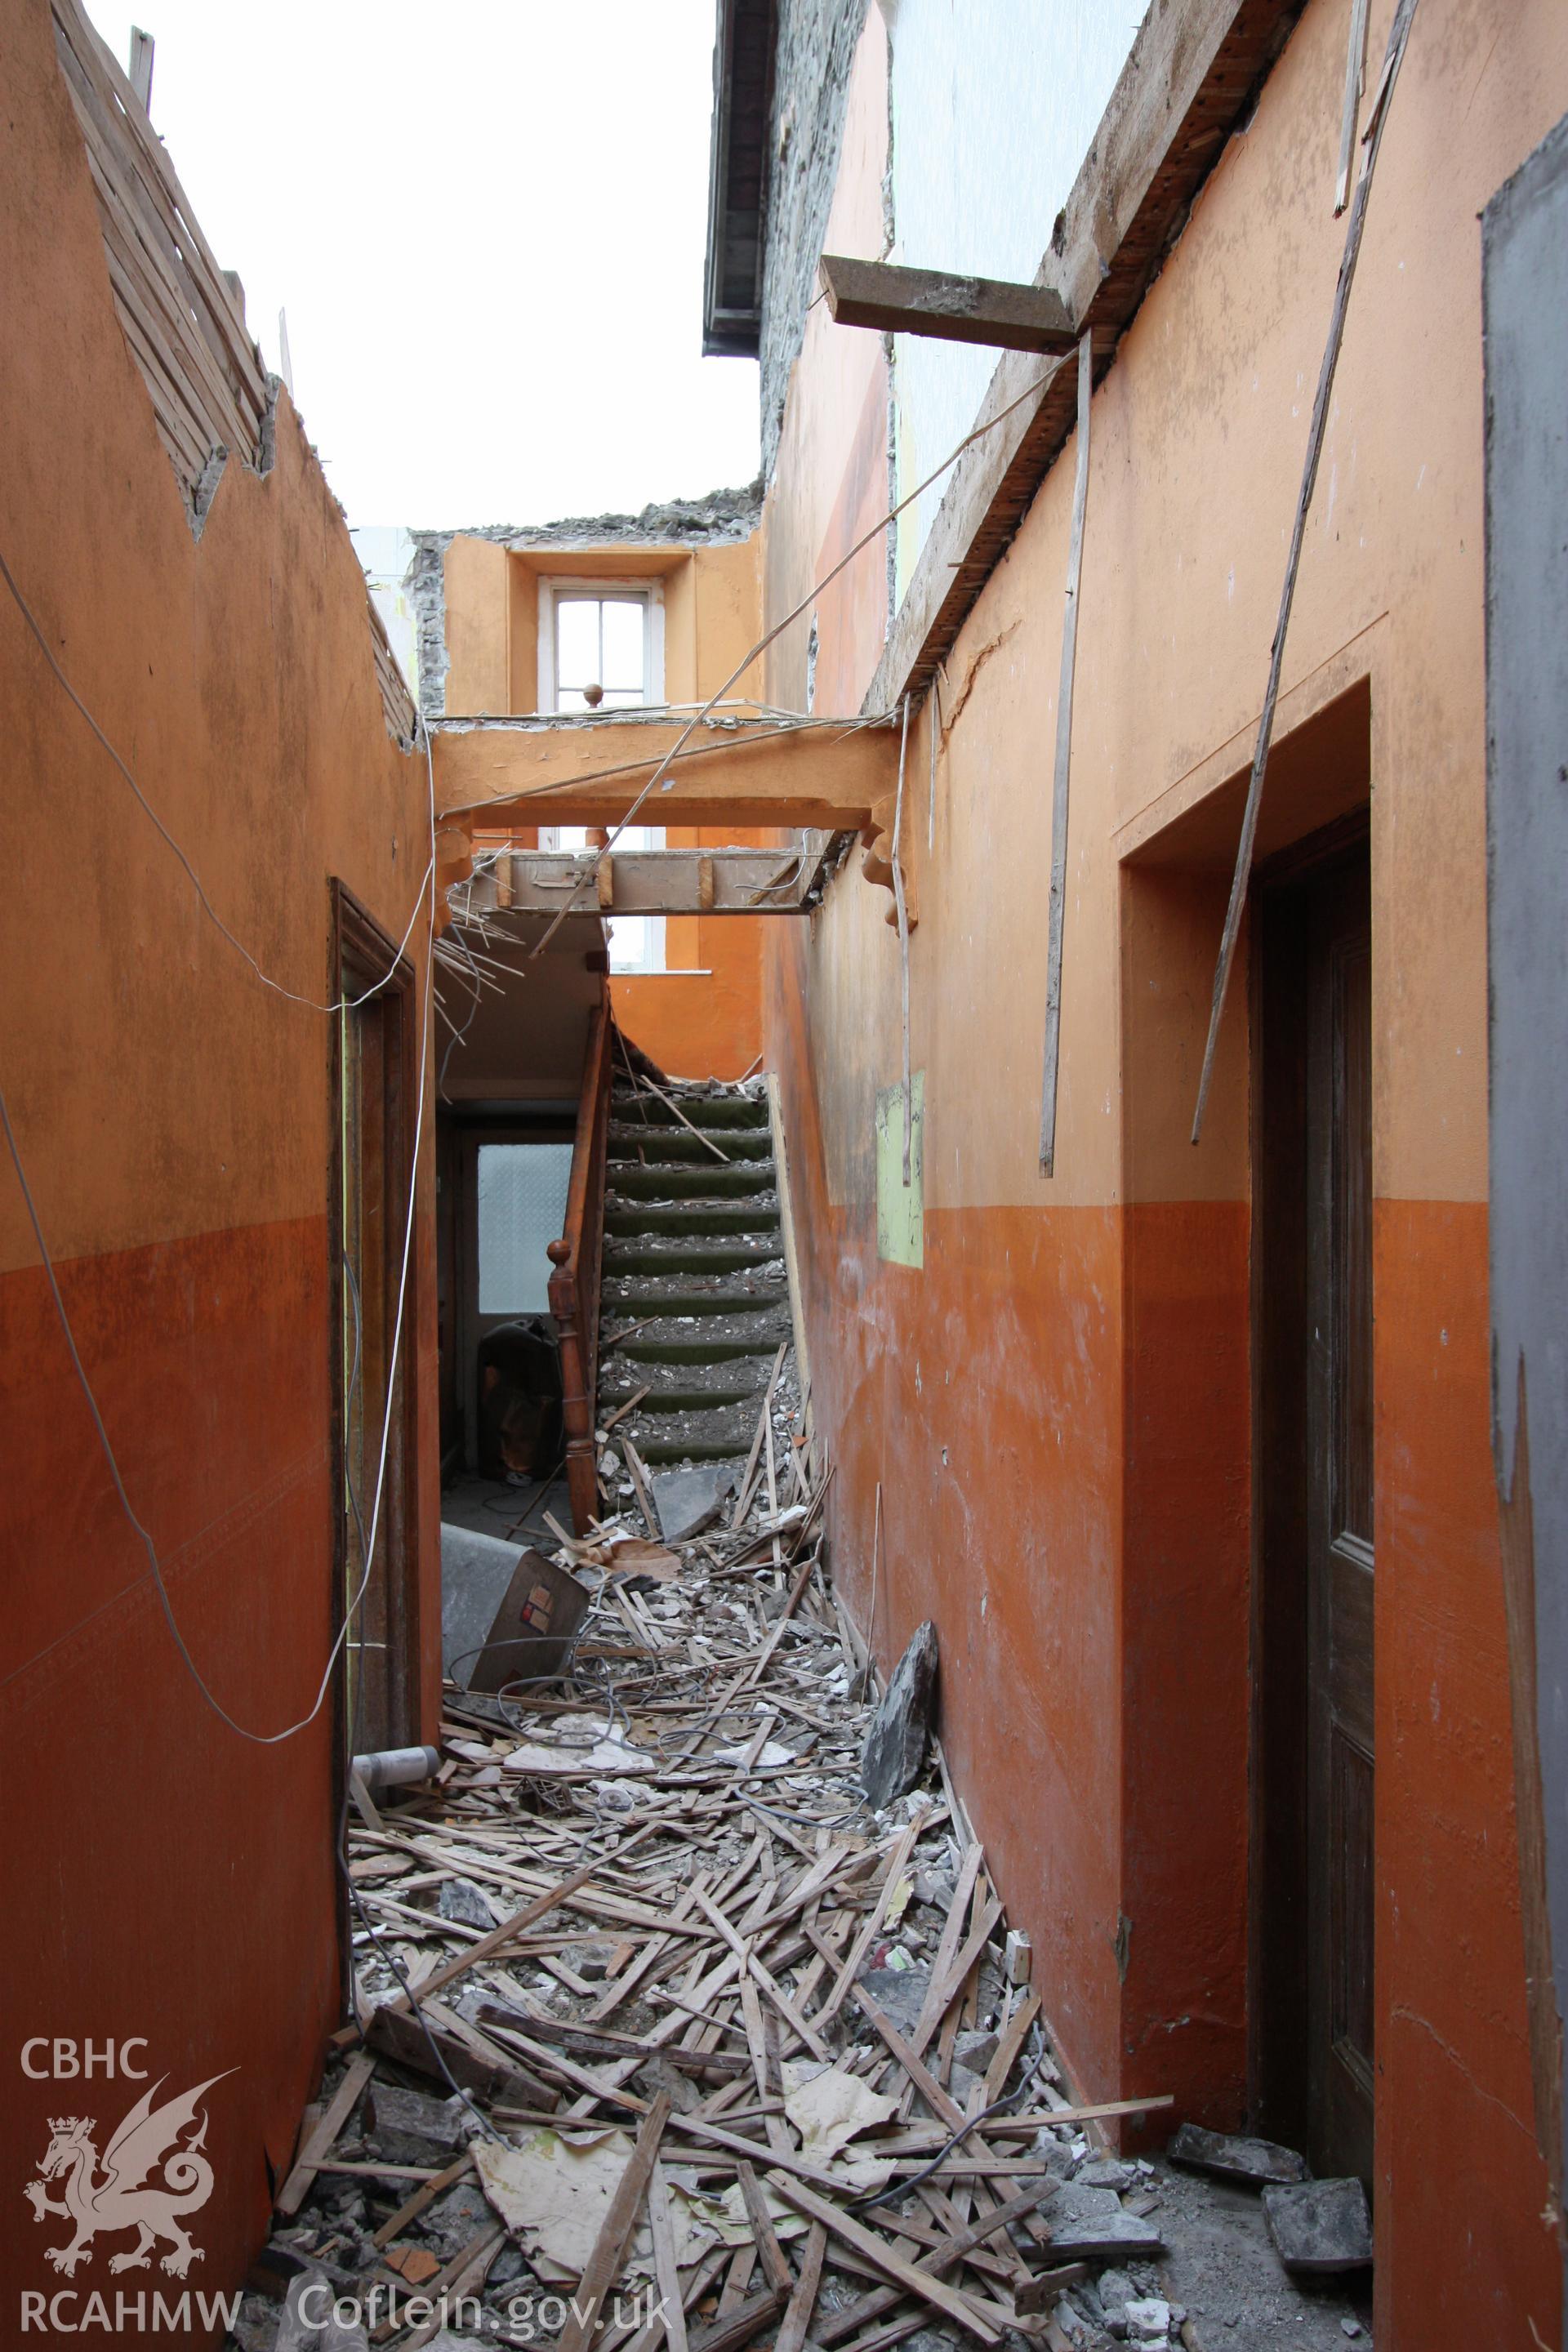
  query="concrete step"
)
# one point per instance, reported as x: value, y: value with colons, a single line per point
x: 689, y: 1387
x: 662, y: 1438
x: 640, y: 1145
x: 703, y: 1339
x: 682, y: 1254
x: 629, y: 1179
x: 645, y: 1147
x: 702, y: 1110
x: 692, y: 1219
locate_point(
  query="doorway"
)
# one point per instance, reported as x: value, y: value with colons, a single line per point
x: 375, y: 1082
x: 514, y: 1181
x: 1314, y: 1875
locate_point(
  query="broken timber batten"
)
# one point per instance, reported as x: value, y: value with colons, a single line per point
x: 1056, y: 912
x: 955, y: 308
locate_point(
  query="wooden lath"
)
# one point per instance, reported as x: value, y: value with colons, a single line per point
x: 183, y: 321
x: 182, y: 315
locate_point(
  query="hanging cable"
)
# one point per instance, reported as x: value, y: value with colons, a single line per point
x: 769, y: 636
x: 259, y: 1739
x: 169, y: 841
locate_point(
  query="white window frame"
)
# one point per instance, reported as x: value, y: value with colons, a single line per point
x: 553, y: 586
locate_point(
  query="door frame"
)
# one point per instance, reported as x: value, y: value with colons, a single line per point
x: 365, y: 959
x: 1278, y: 1944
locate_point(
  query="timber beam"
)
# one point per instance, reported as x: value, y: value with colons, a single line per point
x: 1009, y: 316
x: 589, y: 771
x: 782, y: 881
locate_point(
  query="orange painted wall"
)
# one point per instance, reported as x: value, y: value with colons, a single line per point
x: 702, y: 1016
x: 168, y: 1879
x: 1058, y: 1403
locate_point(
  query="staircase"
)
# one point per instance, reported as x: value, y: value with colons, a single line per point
x: 692, y: 1254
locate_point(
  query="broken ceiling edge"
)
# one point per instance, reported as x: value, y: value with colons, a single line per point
x: 1192, y: 77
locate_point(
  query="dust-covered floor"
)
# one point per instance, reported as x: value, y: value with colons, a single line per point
x: 709, y: 2051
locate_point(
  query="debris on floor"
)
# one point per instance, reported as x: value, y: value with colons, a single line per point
x: 666, y: 2031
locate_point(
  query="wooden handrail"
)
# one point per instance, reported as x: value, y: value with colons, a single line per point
x: 574, y: 1285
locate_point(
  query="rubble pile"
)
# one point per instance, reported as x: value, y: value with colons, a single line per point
x: 703, y: 2048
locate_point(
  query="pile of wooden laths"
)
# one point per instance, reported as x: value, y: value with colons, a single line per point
x: 650, y: 2007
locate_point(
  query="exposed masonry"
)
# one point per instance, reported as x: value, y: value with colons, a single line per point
x: 817, y: 43
x: 721, y: 519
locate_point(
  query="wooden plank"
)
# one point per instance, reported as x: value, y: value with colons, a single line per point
x: 463, y: 2275
x: 747, y: 1957
x: 499, y: 1937
x: 402, y: 2037
x: 589, y: 2044
x: 610, y: 2246
x: 956, y: 310
x: 938, y: 2100
x: 771, y: 2254
x: 140, y: 70
x: 410, y: 2211
x: 981, y: 2317
x: 1056, y: 910
x: 661, y: 2226
x: 292, y: 2194
x: 947, y: 1944
x: 864, y: 1940
x: 738, y: 2326
x: 1398, y: 35
x: 795, y: 2325
x: 1355, y: 82
x: 1009, y: 2045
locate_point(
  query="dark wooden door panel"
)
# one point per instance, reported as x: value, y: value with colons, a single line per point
x: 1314, y: 1886
x: 1340, y: 1561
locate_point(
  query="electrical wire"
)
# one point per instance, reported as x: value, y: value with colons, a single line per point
x: 367, y: 1923
x: 259, y: 1738
x: 998, y: 2107
x: 768, y: 638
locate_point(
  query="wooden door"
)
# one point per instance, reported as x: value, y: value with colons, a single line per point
x: 1340, y: 1897
x: 1313, y: 1852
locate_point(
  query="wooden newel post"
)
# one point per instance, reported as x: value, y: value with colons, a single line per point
x: 574, y: 1285
x: 576, y: 1403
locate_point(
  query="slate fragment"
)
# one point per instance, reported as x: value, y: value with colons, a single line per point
x: 895, y: 1748
x: 687, y: 1501
x: 1258, y: 2163
x: 1319, y: 2227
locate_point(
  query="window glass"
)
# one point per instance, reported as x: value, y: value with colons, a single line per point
x: 522, y: 1208
x: 601, y: 641
x: 576, y: 641
x: 622, y: 625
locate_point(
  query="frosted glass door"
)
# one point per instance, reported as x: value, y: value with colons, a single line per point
x: 522, y: 1209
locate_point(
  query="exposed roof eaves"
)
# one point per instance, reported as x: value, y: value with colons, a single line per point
x: 743, y: 47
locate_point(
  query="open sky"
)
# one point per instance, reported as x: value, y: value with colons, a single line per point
x: 485, y: 224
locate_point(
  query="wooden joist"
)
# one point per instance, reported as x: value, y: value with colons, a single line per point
x: 662, y: 881
x: 957, y: 310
